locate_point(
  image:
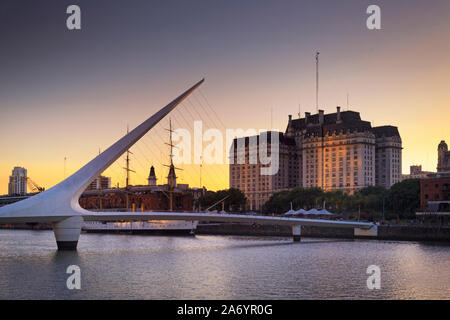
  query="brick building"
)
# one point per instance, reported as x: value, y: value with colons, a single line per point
x: 151, y: 197
x: 145, y: 197
x: 435, y: 188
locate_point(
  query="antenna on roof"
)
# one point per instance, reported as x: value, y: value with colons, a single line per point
x: 347, y: 101
x: 271, y: 118
x: 317, y: 81
x: 65, y: 159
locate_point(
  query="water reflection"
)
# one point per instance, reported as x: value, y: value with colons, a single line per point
x: 209, y: 267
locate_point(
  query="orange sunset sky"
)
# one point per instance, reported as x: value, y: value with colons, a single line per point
x: 68, y: 94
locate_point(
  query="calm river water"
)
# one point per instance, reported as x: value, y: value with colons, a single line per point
x: 219, y: 267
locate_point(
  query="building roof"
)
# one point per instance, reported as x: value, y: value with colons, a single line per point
x: 281, y: 138
x: 348, y: 121
x: 352, y: 126
x: 386, y: 131
x: 443, y: 145
x: 331, y: 118
x: 438, y: 175
x: 152, y: 172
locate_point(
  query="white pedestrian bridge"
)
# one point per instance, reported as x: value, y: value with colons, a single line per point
x: 60, y: 204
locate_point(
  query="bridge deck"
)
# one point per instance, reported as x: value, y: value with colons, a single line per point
x: 195, y: 216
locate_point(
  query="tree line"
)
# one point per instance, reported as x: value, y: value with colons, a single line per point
x: 401, y: 201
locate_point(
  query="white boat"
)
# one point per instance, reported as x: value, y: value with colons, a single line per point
x: 163, y: 227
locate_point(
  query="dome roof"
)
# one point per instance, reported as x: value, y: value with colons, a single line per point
x: 443, y: 145
x: 152, y: 172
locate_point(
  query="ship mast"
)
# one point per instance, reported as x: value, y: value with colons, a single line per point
x: 171, y: 178
x: 127, y: 181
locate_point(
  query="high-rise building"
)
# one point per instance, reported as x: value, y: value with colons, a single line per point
x: 18, y: 181
x: 337, y: 151
x: 100, y: 183
x: 247, y: 177
x: 388, y: 156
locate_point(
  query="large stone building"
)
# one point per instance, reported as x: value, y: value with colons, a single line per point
x: 247, y: 177
x: 388, y: 156
x: 337, y: 151
x: 18, y: 181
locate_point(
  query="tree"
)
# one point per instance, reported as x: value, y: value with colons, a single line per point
x: 403, y: 199
x: 280, y: 202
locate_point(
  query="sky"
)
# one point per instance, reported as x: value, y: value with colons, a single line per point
x: 72, y: 93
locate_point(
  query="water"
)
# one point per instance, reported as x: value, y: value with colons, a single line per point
x: 216, y: 267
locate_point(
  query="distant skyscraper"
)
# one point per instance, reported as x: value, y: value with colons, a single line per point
x: 247, y: 178
x: 100, y: 183
x: 388, y: 156
x: 18, y: 181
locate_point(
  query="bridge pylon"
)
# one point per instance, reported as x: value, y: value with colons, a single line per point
x: 297, y: 233
x: 67, y: 232
x: 60, y: 206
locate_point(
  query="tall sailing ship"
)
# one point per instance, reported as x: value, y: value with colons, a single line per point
x: 154, y: 197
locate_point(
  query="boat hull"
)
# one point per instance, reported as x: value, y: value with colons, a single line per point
x: 158, y: 228
x: 172, y: 232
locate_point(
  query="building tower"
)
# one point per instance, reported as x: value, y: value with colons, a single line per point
x: 172, y: 178
x: 152, y: 177
x: 18, y: 181
x: 442, y: 157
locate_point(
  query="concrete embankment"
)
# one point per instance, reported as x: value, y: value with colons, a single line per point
x: 385, y: 232
x: 27, y: 226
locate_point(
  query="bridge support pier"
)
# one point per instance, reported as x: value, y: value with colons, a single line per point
x: 296, y: 233
x: 366, y: 233
x: 67, y: 232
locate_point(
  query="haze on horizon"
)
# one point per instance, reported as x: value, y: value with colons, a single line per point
x: 70, y: 93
